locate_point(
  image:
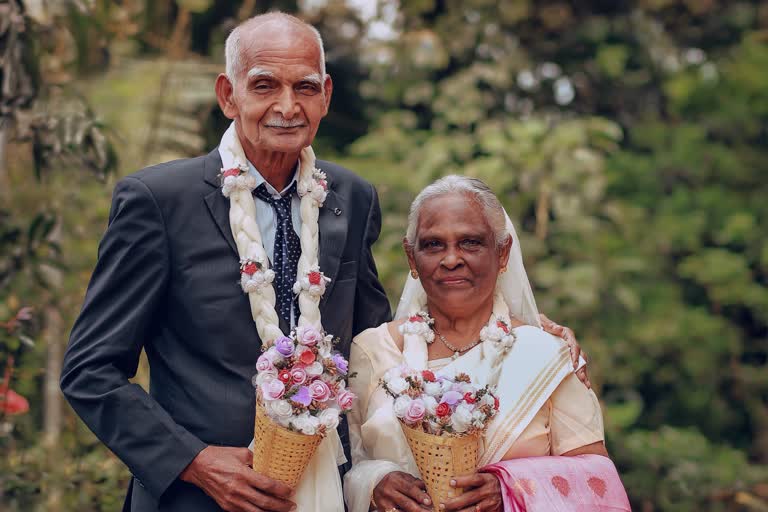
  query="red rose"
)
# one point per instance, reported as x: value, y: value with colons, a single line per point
x: 307, y: 357
x: 443, y: 410
x: 469, y: 398
x: 284, y: 376
x: 415, y: 318
x: 324, y: 184
x: 231, y: 172
x: 250, y: 269
x: 496, y: 403
x: 315, y: 278
x: 502, y: 326
x: 428, y: 376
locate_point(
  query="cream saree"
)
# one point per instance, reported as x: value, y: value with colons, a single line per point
x: 544, y: 410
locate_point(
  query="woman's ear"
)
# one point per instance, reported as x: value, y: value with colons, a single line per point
x: 504, y: 251
x: 408, y: 248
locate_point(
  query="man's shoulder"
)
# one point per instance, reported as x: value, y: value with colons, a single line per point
x: 175, y: 177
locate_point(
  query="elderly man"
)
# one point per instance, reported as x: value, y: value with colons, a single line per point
x: 168, y: 271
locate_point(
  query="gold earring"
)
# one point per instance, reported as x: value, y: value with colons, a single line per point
x: 503, y: 269
x: 414, y: 274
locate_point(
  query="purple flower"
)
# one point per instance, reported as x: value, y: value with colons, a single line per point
x: 302, y: 396
x: 451, y: 398
x: 284, y: 345
x: 341, y: 363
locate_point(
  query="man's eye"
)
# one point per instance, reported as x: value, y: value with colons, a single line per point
x: 470, y: 242
x: 431, y: 244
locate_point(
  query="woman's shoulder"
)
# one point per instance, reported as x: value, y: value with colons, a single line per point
x: 385, y: 336
x: 538, y: 338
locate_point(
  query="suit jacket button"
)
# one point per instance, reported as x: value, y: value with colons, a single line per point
x: 337, y: 211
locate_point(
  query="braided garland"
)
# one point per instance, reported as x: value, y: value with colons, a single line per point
x: 238, y: 186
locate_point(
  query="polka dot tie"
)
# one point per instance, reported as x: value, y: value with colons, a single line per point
x: 287, y: 250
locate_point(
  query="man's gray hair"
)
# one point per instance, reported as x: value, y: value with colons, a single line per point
x: 233, y: 50
x: 472, y: 188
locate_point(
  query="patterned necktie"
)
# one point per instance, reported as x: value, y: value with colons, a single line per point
x: 287, y: 250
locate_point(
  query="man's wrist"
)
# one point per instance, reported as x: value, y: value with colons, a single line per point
x: 190, y: 473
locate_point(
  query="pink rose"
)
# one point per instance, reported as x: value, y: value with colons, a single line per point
x: 263, y: 364
x: 345, y: 399
x: 298, y: 375
x: 273, y: 390
x: 309, y: 336
x: 320, y: 391
x: 415, y: 412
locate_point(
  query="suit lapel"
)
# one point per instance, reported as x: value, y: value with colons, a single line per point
x: 332, y: 221
x: 218, y: 205
x: 332, y: 224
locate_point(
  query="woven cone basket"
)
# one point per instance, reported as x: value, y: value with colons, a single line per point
x: 440, y: 458
x: 280, y: 453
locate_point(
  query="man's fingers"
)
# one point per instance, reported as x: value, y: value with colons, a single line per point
x: 416, y: 493
x: 473, y: 480
x: 268, y: 485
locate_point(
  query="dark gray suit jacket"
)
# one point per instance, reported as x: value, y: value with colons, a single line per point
x: 167, y: 280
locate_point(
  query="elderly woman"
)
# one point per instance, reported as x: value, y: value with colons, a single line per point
x: 467, y: 275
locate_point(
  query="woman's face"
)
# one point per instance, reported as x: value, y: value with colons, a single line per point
x: 455, y: 253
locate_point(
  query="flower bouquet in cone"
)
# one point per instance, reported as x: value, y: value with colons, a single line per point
x: 443, y: 419
x: 300, y: 394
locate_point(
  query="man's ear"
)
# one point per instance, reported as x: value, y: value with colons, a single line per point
x: 225, y: 96
x: 328, y: 91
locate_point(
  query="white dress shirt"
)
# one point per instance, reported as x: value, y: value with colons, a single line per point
x: 265, y: 214
x: 267, y: 220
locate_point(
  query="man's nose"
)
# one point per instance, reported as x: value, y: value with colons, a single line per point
x: 286, y: 104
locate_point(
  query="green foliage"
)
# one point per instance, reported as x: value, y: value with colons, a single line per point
x: 641, y: 227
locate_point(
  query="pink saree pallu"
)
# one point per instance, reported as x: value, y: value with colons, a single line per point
x: 584, y: 483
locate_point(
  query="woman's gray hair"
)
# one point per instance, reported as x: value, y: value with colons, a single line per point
x: 473, y: 188
x: 232, y: 47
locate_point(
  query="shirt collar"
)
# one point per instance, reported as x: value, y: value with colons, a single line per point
x: 260, y: 179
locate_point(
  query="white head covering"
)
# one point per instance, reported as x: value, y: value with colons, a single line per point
x: 512, y: 284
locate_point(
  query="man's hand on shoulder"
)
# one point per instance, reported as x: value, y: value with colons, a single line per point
x: 566, y: 333
x: 224, y: 473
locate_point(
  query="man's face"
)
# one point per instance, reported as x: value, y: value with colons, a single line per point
x: 279, y: 96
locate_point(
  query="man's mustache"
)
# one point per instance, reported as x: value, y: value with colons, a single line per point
x: 284, y: 123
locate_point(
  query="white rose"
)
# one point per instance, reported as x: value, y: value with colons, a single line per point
x: 324, y: 348
x: 329, y: 418
x: 488, y: 400
x: 264, y: 377
x: 401, y: 405
x: 306, y: 424
x: 392, y: 373
x: 445, y: 386
x: 430, y: 403
x: 314, y: 369
x: 461, y: 418
x: 397, y: 385
x: 432, y: 388
x: 279, y: 410
x: 467, y: 387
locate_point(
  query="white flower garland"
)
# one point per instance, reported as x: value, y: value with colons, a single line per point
x: 256, y: 278
x: 417, y: 329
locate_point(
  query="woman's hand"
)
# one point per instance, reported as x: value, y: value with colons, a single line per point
x: 482, y: 493
x: 566, y: 333
x: 401, y: 491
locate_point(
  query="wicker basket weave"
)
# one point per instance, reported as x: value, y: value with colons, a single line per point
x: 440, y: 458
x: 280, y: 453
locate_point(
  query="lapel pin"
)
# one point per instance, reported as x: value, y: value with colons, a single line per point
x: 337, y: 211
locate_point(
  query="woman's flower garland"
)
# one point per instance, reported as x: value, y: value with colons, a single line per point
x: 497, y: 331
